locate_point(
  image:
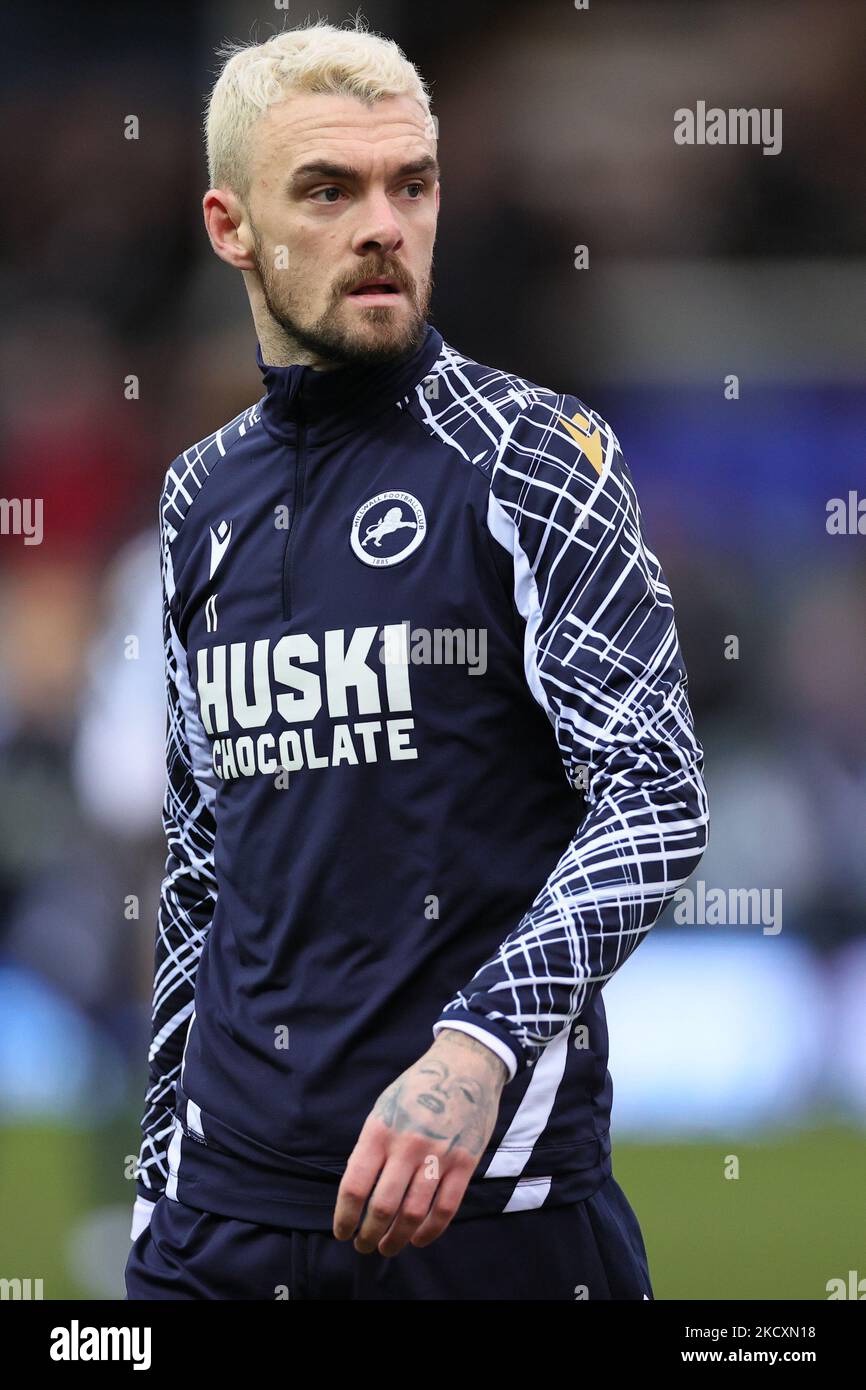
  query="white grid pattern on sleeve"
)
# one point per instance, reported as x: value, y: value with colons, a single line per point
x: 188, y: 892
x: 602, y: 658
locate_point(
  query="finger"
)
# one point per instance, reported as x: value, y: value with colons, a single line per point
x: 412, y: 1211
x: 363, y: 1168
x: 384, y: 1202
x: 448, y: 1198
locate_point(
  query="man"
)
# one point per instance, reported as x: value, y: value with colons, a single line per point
x: 432, y: 773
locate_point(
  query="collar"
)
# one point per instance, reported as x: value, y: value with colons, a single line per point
x: 332, y: 403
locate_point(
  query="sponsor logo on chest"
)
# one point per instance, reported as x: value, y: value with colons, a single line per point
x: 248, y: 685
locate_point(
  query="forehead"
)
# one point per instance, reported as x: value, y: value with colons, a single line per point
x: 306, y: 125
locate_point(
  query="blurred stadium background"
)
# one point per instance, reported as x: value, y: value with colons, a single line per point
x: 556, y: 130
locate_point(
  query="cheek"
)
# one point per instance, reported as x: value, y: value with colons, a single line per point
x: 315, y: 254
x: 422, y: 236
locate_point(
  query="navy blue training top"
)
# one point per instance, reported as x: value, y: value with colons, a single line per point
x: 430, y: 762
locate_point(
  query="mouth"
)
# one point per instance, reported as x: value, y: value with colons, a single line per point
x: 378, y: 288
x: 431, y: 1102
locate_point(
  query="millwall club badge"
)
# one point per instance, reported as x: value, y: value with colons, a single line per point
x: 388, y: 528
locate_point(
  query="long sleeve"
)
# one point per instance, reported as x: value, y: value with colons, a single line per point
x: 602, y: 658
x: 188, y: 891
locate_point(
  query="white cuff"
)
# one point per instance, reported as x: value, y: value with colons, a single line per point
x: 141, y: 1214
x: 490, y: 1040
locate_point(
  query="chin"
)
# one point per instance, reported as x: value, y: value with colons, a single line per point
x: 380, y: 329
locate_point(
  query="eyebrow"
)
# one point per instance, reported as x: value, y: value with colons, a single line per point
x: 326, y: 169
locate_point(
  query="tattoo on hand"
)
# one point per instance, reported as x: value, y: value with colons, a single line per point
x: 443, y: 1103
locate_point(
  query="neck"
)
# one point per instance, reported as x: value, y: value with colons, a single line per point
x: 327, y: 404
x: 279, y: 347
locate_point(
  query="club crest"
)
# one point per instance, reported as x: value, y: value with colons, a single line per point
x: 387, y: 528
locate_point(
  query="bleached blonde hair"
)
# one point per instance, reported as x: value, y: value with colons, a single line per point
x: 313, y: 58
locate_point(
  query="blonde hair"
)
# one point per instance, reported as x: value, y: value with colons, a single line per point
x: 312, y: 58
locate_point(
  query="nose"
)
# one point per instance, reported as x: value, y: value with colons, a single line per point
x: 378, y: 228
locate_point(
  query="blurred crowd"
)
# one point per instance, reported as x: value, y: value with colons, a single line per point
x: 123, y: 341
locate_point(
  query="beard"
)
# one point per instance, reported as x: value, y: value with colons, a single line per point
x: 329, y: 338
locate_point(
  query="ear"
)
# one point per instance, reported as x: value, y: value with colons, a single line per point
x: 228, y: 228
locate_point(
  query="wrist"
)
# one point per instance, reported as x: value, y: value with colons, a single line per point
x: 493, y: 1035
x: 473, y: 1046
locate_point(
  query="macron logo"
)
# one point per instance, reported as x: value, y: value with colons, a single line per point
x: 219, y: 544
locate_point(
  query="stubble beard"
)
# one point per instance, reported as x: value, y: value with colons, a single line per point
x: 327, y: 337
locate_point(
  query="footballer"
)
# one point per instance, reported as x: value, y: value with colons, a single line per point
x: 395, y: 887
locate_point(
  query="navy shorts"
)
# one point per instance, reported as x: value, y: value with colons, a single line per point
x: 590, y: 1250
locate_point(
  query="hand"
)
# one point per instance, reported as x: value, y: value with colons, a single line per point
x: 422, y: 1141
